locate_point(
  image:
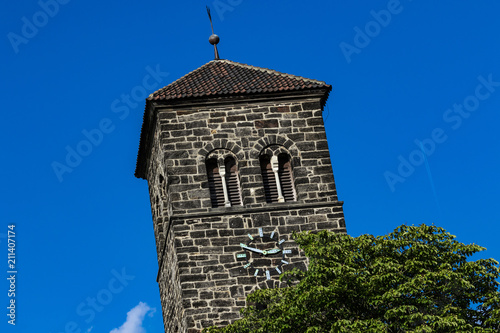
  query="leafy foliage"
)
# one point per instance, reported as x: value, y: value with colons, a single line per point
x: 415, y: 279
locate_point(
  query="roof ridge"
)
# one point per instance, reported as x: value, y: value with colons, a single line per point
x: 270, y: 71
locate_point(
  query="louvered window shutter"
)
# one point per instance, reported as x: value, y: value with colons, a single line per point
x: 285, y: 175
x: 232, y: 182
x: 215, y: 183
x: 270, y: 188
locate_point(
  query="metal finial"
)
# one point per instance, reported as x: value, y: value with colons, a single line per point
x: 214, y: 39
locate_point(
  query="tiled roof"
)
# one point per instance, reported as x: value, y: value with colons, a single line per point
x: 224, y: 78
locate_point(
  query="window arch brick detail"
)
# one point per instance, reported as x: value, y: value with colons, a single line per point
x: 231, y: 146
x: 271, y: 140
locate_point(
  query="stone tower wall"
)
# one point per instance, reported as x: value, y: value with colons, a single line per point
x: 201, y: 281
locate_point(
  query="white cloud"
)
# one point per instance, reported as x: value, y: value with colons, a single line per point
x: 133, y: 324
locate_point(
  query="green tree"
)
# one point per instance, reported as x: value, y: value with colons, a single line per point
x: 415, y: 279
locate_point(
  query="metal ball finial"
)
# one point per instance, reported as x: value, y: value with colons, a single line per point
x: 214, y: 39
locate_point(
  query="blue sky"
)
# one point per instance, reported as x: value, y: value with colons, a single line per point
x: 411, y: 124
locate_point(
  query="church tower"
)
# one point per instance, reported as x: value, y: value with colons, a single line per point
x: 236, y: 160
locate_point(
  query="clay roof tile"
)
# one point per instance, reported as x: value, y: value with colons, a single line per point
x: 225, y: 77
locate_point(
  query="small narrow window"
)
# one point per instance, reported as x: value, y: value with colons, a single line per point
x: 161, y: 186
x: 157, y: 206
x: 232, y: 182
x: 215, y: 183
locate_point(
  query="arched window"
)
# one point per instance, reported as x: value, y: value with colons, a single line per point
x: 223, y: 182
x: 277, y: 178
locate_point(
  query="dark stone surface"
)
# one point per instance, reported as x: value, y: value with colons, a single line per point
x: 201, y: 280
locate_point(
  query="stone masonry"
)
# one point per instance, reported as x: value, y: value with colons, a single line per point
x: 202, y: 282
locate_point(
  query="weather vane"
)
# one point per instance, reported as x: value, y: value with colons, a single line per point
x: 214, y: 39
